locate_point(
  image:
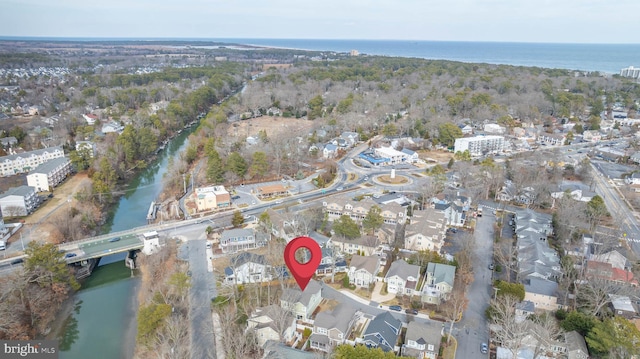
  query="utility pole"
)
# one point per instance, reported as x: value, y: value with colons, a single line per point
x: 184, y: 183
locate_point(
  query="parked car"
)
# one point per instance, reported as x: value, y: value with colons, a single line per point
x: 491, y: 266
x: 114, y: 239
x: 17, y: 261
x: 483, y: 348
x: 411, y: 311
x: 339, y: 189
x: 70, y: 255
x: 397, y: 308
x: 235, y: 197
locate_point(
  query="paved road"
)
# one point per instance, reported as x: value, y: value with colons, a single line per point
x: 201, y: 293
x: 618, y: 208
x: 472, y: 330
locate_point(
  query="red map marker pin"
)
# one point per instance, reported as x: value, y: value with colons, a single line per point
x: 302, y: 272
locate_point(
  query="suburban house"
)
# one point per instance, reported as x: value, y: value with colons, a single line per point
x: 212, y: 197
x: 613, y: 257
x: 238, y: 239
x: 392, y: 213
x: 524, y: 309
x: 535, y: 257
x: 422, y: 340
x: 8, y: 141
x: 248, y: 268
x: 271, y: 323
x: 49, y: 174
x: 438, y: 283
x: 332, y: 328
x: 575, y: 192
x: 90, y: 118
x: 552, y: 139
x: 402, y: 278
x: 302, y: 303
x: 591, y: 136
x: 364, y: 244
x: 576, y: 347
x: 281, y: 226
x: 623, y: 306
x: 382, y: 332
x: 86, y: 146
x: 26, y: 161
x: 411, y: 156
x: 270, y: 191
x: 19, y: 201
x: 363, y: 270
x: 111, y: 127
x: 331, y: 261
x: 330, y: 150
x: 509, y: 193
x: 426, y: 231
x: 350, y: 137
x: 608, y: 272
x: 277, y: 350
x: 542, y: 293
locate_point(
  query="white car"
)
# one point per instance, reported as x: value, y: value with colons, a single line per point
x: 339, y: 189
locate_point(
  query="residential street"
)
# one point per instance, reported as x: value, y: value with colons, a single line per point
x: 202, y: 290
x: 472, y: 330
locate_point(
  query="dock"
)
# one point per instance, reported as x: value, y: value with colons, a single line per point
x: 153, y: 209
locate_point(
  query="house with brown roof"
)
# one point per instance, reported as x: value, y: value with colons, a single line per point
x: 363, y: 270
x: 270, y: 191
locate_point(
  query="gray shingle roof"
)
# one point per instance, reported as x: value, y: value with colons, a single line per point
x: 295, y: 295
x: 368, y: 263
x: 30, y: 153
x: 403, y: 270
x: 246, y: 257
x: 50, y: 165
x: 540, y: 286
x: 338, y: 318
x: 424, y: 333
x: 22, y: 191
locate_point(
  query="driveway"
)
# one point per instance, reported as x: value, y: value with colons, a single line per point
x: 472, y: 330
x: 377, y: 295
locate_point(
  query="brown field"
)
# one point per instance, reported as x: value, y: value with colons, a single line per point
x: 273, y: 126
x: 439, y: 156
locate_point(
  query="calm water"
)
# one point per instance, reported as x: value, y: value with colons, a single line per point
x: 102, y: 324
x: 609, y: 58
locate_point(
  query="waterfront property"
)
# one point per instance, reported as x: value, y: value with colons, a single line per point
x: 26, y: 161
x: 50, y: 174
x: 237, y: 239
x: 212, y: 197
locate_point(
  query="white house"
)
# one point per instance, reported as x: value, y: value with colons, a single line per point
x: 237, y: 239
x: 50, y: 174
x: 248, y: 268
x: 363, y: 270
x: 86, y: 146
x: 112, y: 126
x: 90, y: 118
x: 330, y: 150
x: 426, y: 231
x: 402, y: 278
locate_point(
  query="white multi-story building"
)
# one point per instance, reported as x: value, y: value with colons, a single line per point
x: 25, y: 162
x: 479, y: 145
x: 630, y: 72
x: 49, y: 174
x: 19, y: 201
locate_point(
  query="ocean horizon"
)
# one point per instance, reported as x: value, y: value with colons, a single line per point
x: 606, y: 58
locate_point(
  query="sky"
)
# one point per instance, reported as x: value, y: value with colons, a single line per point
x: 556, y: 21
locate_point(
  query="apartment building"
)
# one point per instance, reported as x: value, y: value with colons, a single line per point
x: 27, y: 161
x: 479, y: 145
x: 50, y: 174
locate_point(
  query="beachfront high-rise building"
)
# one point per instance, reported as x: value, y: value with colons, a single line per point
x: 630, y: 72
x: 479, y: 145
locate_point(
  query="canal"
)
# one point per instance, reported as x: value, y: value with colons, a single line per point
x: 102, y: 322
